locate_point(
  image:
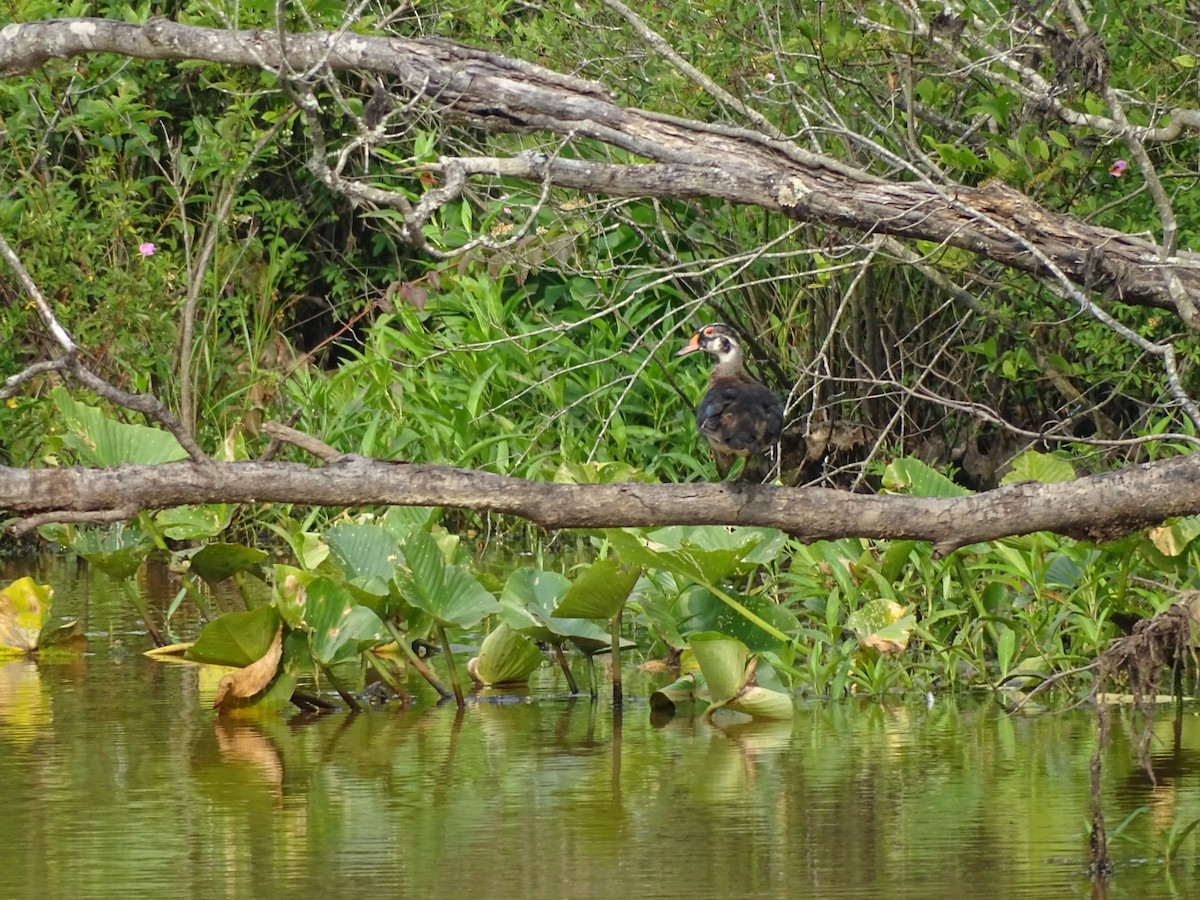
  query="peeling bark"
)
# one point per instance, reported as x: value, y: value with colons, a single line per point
x: 688, y: 158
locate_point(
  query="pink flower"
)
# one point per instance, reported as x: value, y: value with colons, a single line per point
x: 1118, y: 168
x: 147, y: 249
x: 770, y: 76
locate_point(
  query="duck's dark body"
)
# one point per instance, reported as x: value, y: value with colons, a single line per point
x: 737, y: 415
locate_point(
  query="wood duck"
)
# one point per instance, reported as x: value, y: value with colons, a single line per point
x: 737, y: 416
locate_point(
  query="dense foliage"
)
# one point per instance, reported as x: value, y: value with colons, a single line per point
x: 167, y: 211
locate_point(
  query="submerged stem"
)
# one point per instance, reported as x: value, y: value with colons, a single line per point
x: 618, y: 693
x: 386, y: 676
x: 562, y: 664
x: 458, y: 694
x: 416, y: 662
x: 347, y: 698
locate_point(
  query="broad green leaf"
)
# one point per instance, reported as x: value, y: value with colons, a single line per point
x: 24, y: 608
x: 446, y: 592
x: 722, y: 659
x: 101, y: 441
x: 506, y: 657
x: 341, y: 629
x: 192, y: 523
x: 911, y: 476
x: 599, y: 591
x: 117, y: 551
x: 218, y: 561
x: 528, y: 601
x: 237, y: 638
x: 1034, y: 466
x: 364, y: 552
x: 401, y: 521
x: 704, y: 611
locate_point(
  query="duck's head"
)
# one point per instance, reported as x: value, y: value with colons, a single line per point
x: 717, y: 339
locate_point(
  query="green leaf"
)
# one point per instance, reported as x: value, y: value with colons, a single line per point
x: 340, y: 632
x: 101, y: 441
x: 685, y: 689
x: 722, y: 659
x: 216, y: 562
x: 911, y: 476
x: 704, y: 611
x: 367, y: 554
x: 191, y: 523
x: 290, y: 594
x: 599, y: 591
x: 506, y: 657
x: 1034, y: 466
x: 762, y: 703
x: 447, y: 592
x: 237, y: 638
x: 117, y: 551
x: 24, y: 608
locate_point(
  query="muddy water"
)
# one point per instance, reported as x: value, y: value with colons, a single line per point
x: 117, y: 781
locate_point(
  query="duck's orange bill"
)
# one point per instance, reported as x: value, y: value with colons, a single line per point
x: 692, y: 346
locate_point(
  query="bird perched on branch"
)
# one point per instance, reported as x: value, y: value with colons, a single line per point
x: 738, y: 416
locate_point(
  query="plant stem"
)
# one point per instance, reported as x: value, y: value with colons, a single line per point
x: 416, y: 662
x: 458, y: 694
x: 348, y: 699
x: 618, y: 694
x: 386, y: 676
x: 139, y: 603
x: 562, y: 664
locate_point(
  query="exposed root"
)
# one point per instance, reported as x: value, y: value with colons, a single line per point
x: 1157, y: 644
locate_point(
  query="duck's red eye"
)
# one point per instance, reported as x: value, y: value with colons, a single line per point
x: 708, y: 332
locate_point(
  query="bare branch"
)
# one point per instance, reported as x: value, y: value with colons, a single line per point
x: 1096, y: 507
x: 693, y: 158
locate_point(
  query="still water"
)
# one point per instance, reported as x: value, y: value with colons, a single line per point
x: 116, y: 780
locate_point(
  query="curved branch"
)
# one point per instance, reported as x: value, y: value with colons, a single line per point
x: 735, y: 164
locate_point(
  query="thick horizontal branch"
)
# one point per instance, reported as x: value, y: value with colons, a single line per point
x: 697, y: 159
x: 1097, y: 507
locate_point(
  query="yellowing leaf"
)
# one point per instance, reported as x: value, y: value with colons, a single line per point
x: 24, y: 607
x: 252, y: 679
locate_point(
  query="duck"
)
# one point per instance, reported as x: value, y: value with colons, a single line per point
x: 738, y: 416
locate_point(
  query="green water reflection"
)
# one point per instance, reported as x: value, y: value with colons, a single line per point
x: 115, y: 780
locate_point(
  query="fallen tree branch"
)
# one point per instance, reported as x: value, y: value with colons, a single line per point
x: 739, y: 165
x: 1097, y: 507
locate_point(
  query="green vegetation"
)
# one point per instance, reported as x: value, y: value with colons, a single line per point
x: 167, y: 211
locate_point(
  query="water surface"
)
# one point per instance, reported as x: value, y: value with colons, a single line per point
x: 116, y: 780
